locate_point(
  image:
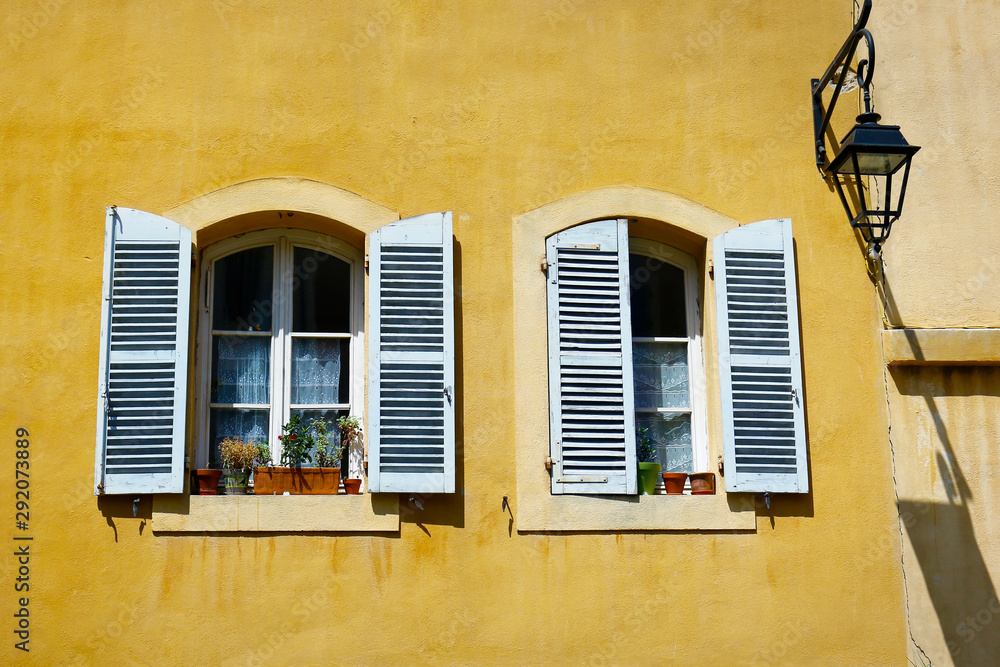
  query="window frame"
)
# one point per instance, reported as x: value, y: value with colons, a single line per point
x: 697, y: 374
x: 284, y: 241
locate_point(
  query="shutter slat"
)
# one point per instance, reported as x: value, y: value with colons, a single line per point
x: 590, y: 378
x: 141, y: 417
x: 764, y: 440
x: 412, y: 357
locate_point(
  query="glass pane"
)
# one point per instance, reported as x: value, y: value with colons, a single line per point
x: 658, y: 298
x: 328, y: 416
x: 321, y: 293
x: 241, y: 369
x: 320, y: 370
x: 242, y: 291
x: 251, y: 425
x: 671, y: 436
x: 660, y: 375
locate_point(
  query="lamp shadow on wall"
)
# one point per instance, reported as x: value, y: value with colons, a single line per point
x: 942, y: 534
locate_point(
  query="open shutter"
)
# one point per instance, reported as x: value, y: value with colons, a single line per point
x: 591, y: 400
x: 411, y: 399
x: 763, y: 425
x: 142, y: 400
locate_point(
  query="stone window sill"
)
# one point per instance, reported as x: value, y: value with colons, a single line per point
x: 720, y: 512
x: 369, y: 513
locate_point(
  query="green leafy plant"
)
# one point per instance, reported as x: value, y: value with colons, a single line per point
x: 263, y: 457
x: 350, y: 432
x: 236, y: 454
x: 327, y: 455
x: 296, y: 443
x: 644, y: 445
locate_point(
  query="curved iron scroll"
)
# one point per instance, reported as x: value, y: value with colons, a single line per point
x: 866, y: 68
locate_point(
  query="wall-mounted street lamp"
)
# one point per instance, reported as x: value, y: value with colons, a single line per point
x: 869, y: 151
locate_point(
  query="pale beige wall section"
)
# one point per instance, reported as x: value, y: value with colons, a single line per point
x: 947, y: 445
x: 489, y: 109
x: 935, y: 77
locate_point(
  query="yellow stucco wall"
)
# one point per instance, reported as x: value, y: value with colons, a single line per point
x: 490, y: 110
x: 942, y: 277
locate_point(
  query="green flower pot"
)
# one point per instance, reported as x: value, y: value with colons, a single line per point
x: 649, y: 472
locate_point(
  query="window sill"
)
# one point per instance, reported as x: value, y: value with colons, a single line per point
x: 942, y: 347
x: 369, y: 513
x: 720, y: 512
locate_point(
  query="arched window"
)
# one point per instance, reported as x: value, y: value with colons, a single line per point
x: 279, y: 335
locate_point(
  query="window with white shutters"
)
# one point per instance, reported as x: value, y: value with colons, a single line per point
x: 625, y: 354
x: 411, y: 398
x: 760, y: 369
x: 141, y: 416
x: 592, y: 418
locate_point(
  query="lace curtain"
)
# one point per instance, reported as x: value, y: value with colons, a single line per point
x: 316, y: 371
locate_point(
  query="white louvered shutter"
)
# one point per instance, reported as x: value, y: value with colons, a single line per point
x: 591, y: 400
x: 411, y: 399
x: 763, y: 425
x: 142, y: 400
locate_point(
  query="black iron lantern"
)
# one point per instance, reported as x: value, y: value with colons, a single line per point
x: 871, y: 156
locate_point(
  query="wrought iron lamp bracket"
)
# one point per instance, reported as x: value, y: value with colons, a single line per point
x: 838, y: 69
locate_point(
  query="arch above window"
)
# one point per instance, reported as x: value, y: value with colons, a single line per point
x: 210, y: 215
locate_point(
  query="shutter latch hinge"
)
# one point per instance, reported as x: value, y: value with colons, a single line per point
x: 795, y: 393
x: 711, y: 269
x: 549, y: 462
x: 545, y: 266
x: 366, y: 260
x: 447, y: 394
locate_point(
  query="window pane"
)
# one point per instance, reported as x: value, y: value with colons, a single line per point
x: 251, y: 425
x: 658, y: 298
x: 241, y: 369
x: 320, y: 370
x: 660, y: 375
x: 328, y: 416
x: 243, y: 283
x: 671, y: 436
x: 321, y: 293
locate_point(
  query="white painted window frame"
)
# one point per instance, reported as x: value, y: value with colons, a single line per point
x: 283, y: 240
x: 697, y: 379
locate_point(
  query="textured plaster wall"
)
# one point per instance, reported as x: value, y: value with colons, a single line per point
x: 937, y: 64
x: 491, y: 110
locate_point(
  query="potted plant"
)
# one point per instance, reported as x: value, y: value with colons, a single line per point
x: 351, y: 436
x: 298, y: 440
x: 702, y: 483
x: 205, y: 481
x: 237, y: 459
x: 649, y: 469
x: 673, y: 482
x: 261, y: 460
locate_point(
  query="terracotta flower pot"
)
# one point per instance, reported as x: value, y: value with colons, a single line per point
x: 649, y: 472
x: 352, y: 486
x: 297, y: 481
x: 702, y: 483
x: 206, y: 480
x: 673, y: 482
